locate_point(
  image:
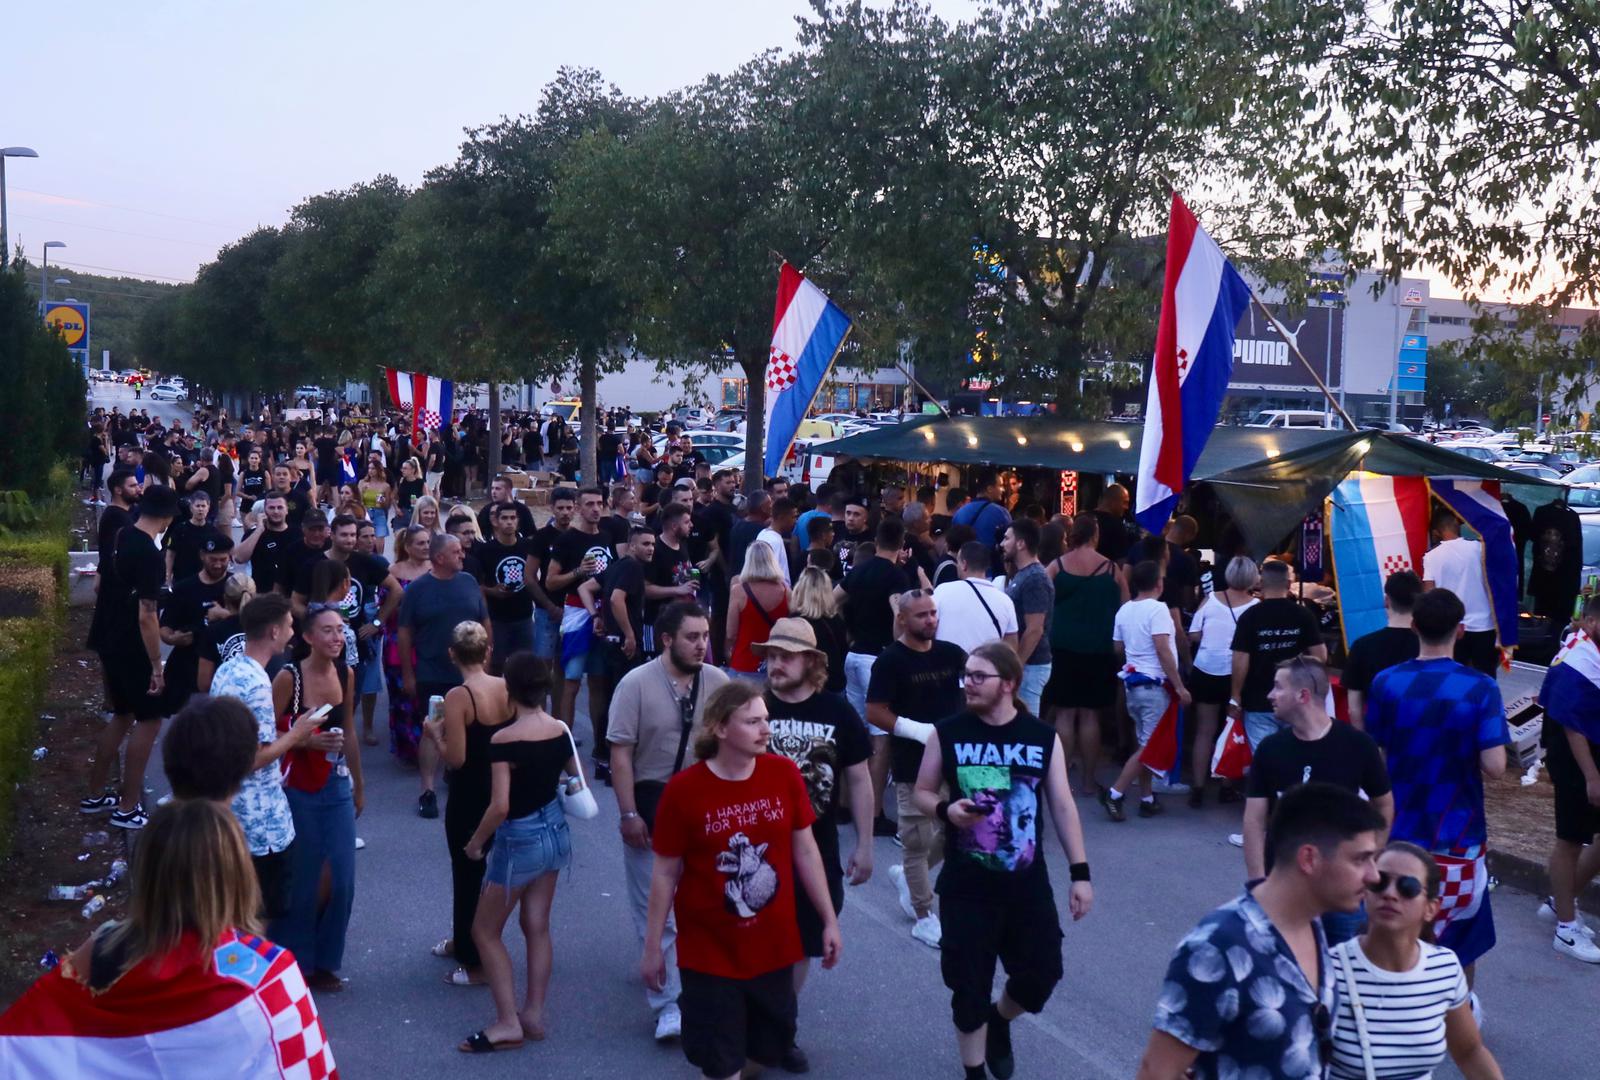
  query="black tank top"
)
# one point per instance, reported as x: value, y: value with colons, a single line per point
x: 472, y: 779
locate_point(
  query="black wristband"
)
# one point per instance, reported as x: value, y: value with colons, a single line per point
x: 942, y: 811
x: 1078, y: 871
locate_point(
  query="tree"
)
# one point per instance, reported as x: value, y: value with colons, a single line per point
x: 227, y: 340
x: 319, y: 295
x: 47, y: 391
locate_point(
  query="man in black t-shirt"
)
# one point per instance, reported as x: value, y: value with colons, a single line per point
x: 509, y: 569
x: 673, y: 574
x: 851, y: 534
x: 1313, y: 746
x: 502, y: 493
x: 266, y: 547
x: 990, y: 774
x: 827, y: 741
x: 130, y: 658
x: 196, y: 601
x: 285, y: 483
x: 327, y: 463
x: 547, y: 613
x: 1115, y: 540
x: 582, y: 554
x: 184, y: 538
x: 1381, y: 649
x: 916, y: 682
x: 1277, y: 629
x: 303, y: 554
x: 627, y: 638
x: 123, y: 487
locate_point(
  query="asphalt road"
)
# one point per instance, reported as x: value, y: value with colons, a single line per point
x: 884, y: 1011
x: 120, y: 395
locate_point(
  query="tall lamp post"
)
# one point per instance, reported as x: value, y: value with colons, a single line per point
x: 5, y: 152
x: 44, y: 266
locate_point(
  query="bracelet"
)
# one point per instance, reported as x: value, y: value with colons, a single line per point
x: 1078, y: 871
x: 629, y: 816
x: 942, y: 811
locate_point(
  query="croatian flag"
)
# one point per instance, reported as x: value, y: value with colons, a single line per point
x: 1200, y: 305
x: 1379, y: 526
x: 808, y: 330
x: 1477, y: 502
x: 1571, y: 691
x: 242, y: 1011
x: 429, y: 399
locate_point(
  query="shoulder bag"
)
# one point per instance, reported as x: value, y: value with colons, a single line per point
x: 647, y: 793
x: 1347, y: 963
x: 577, y: 797
x: 998, y: 633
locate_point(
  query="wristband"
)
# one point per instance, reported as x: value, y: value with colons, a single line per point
x: 942, y: 811
x: 1078, y: 871
x: 629, y: 816
x: 1234, y: 702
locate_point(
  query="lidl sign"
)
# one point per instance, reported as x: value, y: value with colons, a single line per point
x: 71, y: 321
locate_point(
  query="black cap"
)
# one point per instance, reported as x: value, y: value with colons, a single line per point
x: 215, y: 542
x: 158, y: 501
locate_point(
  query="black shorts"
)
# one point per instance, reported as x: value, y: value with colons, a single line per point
x: 1209, y: 689
x: 127, y: 679
x: 806, y: 915
x: 1081, y: 680
x: 1477, y: 650
x: 274, y: 873
x: 329, y: 476
x: 1577, y: 820
x: 727, y: 1022
x: 1024, y: 936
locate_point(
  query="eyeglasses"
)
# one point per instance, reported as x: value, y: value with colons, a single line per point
x: 1408, y: 887
x: 978, y: 678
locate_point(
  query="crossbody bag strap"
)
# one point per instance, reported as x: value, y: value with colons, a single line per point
x: 986, y: 609
x: 688, y: 722
x: 1347, y: 965
x: 750, y: 593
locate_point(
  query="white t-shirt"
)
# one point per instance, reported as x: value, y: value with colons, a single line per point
x: 771, y: 538
x: 1214, y: 625
x: 1457, y: 565
x: 963, y: 618
x: 1136, y: 626
x: 1404, y: 1012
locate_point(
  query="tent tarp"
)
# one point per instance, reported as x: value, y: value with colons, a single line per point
x: 1090, y: 446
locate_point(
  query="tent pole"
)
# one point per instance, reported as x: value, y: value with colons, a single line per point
x: 1295, y: 348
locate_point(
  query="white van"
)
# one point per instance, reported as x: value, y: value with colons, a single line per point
x: 1292, y: 418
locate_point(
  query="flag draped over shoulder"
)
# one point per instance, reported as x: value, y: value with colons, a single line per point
x: 247, y: 1013
x: 1571, y: 691
x: 1378, y: 525
x: 1201, y: 302
x: 1477, y: 502
x: 431, y: 400
x: 808, y: 330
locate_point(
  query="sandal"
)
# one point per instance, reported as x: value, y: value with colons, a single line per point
x: 479, y: 1043
x: 445, y: 948
x: 462, y: 977
x: 369, y: 739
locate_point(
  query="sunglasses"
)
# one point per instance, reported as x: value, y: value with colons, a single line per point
x: 1408, y: 887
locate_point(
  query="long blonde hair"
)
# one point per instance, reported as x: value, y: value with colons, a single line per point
x: 726, y: 700
x: 761, y: 564
x: 813, y: 595
x: 191, y: 874
x: 416, y: 514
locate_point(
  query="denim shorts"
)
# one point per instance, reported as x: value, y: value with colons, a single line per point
x: 546, y: 634
x: 380, y: 523
x: 369, y: 677
x: 527, y: 848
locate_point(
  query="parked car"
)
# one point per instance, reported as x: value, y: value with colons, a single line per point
x: 1293, y: 418
x: 1531, y: 468
x: 168, y: 392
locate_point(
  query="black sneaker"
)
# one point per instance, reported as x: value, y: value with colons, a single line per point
x: 1230, y: 794
x: 97, y: 804
x: 1113, y: 805
x: 1151, y: 808
x: 130, y: 819
x: 882, y: 826
x: 602, y: 772
x: 997, y: 1046
x: 1197, y: 798
x: 794, y: 1060
x: 428, y: 805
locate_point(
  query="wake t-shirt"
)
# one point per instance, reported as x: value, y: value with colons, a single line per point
x: 1002, y: 769
x: 735, y: 901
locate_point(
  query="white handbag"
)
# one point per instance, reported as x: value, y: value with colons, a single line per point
x: 577, y: 799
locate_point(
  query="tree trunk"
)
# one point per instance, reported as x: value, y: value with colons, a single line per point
x: 589, y: 440
x: 755, y: 420
x: 494, y: 432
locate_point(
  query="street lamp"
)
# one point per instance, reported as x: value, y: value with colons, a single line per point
x: 44, y: 264
x: 5, y: 152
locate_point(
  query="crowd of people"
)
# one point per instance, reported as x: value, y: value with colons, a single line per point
x: 760, y: 668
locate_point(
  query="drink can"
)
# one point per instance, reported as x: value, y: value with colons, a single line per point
x: 334, y: 755
x: 93, y: 907
x: 436, y: 707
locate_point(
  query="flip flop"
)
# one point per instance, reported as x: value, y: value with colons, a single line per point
x: 461, y: 977
x: 479, y: 1043
x: 369, y: 740
x: 446, y: 947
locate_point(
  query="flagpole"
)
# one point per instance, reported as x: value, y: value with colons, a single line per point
x: 1295, y: 348
x: 923, y: 390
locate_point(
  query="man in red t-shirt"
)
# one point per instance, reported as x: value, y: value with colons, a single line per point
x: 732, y: 833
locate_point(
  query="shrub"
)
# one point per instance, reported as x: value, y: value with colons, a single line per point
x: 35, y: 562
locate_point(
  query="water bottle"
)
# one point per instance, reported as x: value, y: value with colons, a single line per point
x: 69, y: 892
x: 119, y: 869
x: 93, y: 907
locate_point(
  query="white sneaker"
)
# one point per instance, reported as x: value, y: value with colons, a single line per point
x: 1547, y: 911
x: 1477, y: 1009
x: 1169, y: 787
x: 360, y: 843
x: 1576, y: 945
x: 1236, y: 839
x: 669, y: 1023
x: 928, y: 931
x: 897, y: 874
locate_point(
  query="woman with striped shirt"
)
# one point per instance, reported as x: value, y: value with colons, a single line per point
x: 1402, y: 999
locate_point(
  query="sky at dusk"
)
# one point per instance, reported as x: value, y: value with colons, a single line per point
x: 168, y: 128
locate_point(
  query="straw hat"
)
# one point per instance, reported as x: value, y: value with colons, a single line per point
x: 790, y: 635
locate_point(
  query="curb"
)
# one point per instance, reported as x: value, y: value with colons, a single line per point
x: 1530, y: 876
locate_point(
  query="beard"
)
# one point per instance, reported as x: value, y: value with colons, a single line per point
x: 687, y: 664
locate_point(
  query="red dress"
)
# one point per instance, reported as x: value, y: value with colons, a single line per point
x: 755, y: 623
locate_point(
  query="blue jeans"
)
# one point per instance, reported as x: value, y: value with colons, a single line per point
x: 857, y: 674
x: 1258, y: 725
x: 511, y: 636
x: 1034, y: 676
x: 324, y: 832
